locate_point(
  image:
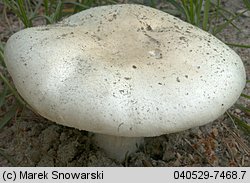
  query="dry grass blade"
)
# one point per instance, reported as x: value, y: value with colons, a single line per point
x: 246, y: 96
x: 238, y: 45
x: 243, y: 145
x: 243, y: 108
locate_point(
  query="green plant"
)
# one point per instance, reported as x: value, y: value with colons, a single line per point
x: 8, y: 91
x: 195, y: 12
x: 27, y: 10
x: 80, y: 5
x: 52, y: 10
x: 247, y: 4
x: 237, y: 120
x: 203, y: 14
x: 23, y: 10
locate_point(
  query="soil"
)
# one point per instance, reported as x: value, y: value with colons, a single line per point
x: 31, y: 140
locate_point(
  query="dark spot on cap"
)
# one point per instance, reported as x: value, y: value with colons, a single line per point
x: 134, y: 67
x: 149, y: 28
x: 127, y: 78
x: 121, y: 91
x: 183, y: 38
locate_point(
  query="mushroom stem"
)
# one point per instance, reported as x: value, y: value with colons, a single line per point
x: 118, y: 147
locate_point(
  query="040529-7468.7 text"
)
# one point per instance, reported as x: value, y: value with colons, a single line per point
x: 212, y: 174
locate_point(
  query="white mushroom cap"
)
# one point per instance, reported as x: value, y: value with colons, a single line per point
x: 125, y: 70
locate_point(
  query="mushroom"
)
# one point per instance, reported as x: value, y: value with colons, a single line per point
x: 124, y: 72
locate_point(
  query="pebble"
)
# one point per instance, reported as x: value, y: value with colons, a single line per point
x: 215, y: 132
x: 238, y: 111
